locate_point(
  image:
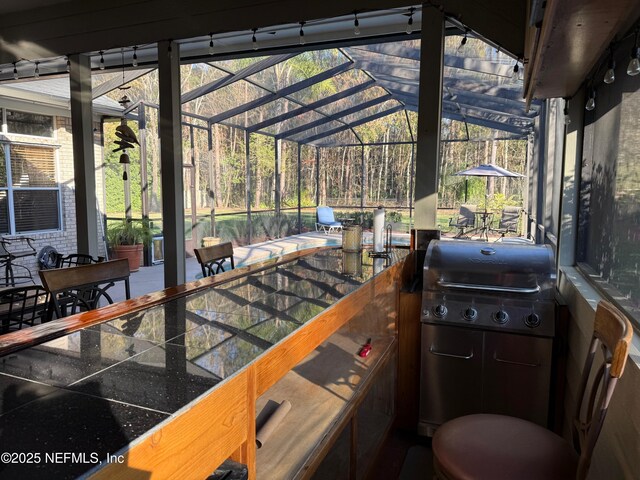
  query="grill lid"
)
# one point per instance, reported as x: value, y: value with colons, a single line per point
x: 493, y: 268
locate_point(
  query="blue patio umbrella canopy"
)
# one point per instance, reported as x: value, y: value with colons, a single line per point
x: 488, y: 170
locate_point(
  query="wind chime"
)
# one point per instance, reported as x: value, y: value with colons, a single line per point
x: 126, y: 136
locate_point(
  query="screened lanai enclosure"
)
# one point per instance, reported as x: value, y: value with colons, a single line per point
x: 266, y: 139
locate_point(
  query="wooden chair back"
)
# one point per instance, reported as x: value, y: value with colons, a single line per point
x: 22, y: 305
x: 211, y: 259
x: 81, y: 288
x: 612, y: 334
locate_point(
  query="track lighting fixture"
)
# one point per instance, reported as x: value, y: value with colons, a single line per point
x: 410, y: 21
x: 15, y: 71
x: 356, y: 24
x: 591, y: 102
x: 254, y: 40
x: 36, y: 72
x: 567, y: 117
x: 101, y: 60
x: 134, y: 61
x: 610, y: 74
x: 302, y: 41
x: 463, y: 42
x: 633, y: 68
x: 211, y: 44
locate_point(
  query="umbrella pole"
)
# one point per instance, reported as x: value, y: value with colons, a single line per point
x: 486, y: 196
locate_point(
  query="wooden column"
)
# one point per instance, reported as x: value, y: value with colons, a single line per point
x: 171, y: 163
x: 429, y: 113
x: 84, y: 165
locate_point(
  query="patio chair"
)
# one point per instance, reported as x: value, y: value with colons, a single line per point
x: 23, y: 305
x: 76, y: 259
x: 326, y: 221
x: 485, y: 446
x: 509, y: 220
x: 212, y: 259
x: 81, y: 288
x: 465, y: 221
x: 12, y: 248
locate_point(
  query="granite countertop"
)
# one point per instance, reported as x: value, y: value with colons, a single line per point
x: 95, y: 390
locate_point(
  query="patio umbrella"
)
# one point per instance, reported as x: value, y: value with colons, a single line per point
x: 488, y: 170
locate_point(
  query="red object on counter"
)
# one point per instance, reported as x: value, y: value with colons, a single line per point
x: 365, y: 350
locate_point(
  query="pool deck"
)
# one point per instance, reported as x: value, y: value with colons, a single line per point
x: 151, y: 279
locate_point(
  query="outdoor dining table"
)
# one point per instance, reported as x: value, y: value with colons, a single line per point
x: 484, y: 223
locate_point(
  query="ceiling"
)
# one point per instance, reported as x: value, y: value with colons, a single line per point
x: 46, y: 29
x: 561, y: 41
x: 565, y: 48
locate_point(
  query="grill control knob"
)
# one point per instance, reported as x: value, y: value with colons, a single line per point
x: 470, y: 314
x: 532, y: 320
x: 500, y: 317
x: 440, y: 311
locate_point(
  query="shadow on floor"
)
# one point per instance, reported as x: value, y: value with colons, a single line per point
x: 404, y: 456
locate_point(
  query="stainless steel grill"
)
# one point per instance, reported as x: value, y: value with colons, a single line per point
x: 488, y: 321
x: 505, y: 287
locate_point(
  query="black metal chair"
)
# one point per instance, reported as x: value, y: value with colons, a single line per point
x: 21, y: 306
x: 509, y: 220
x: 212, y: 259
x: 81, y: 288
x: 465, y: 220
x: 76, y: 259
x: 12, y: 248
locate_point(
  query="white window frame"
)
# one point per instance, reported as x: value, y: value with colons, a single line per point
x: 10, y: 189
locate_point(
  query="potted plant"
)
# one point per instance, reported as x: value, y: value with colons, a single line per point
x: 126, y: 240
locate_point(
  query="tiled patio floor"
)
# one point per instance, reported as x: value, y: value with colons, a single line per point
x: 151, y: 279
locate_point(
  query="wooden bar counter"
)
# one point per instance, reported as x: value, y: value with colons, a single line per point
x: 169, y: 385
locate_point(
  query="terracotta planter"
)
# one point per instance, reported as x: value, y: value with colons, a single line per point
x: 133, y: 253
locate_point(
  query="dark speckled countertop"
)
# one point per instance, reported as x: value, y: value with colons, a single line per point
x: 94, y: 391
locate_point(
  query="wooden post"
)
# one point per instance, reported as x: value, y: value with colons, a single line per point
x: 429, y: 115
x: 84, y: 164
x: 171, y: 162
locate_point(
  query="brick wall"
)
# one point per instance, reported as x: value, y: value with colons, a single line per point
x: 64, y: 241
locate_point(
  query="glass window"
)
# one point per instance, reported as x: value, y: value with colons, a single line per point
x: 29, y: 124
x: 33, y: 189
x: 36, y: 210
x: 609, y: 221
